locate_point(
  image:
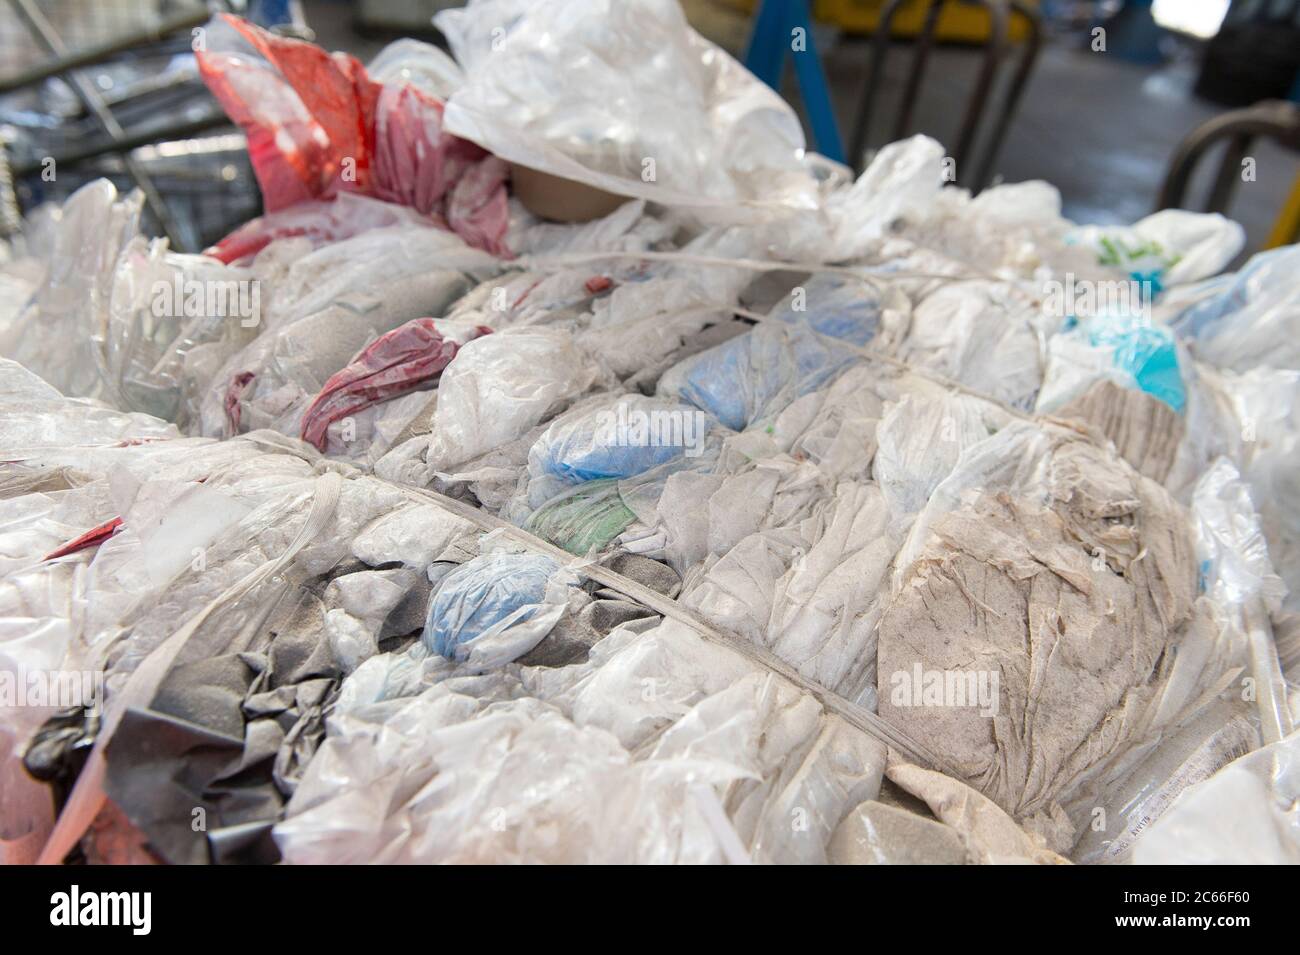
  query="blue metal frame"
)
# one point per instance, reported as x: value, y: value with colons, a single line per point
x: 774, y: 28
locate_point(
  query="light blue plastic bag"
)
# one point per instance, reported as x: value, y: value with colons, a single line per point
x: 483, y: 593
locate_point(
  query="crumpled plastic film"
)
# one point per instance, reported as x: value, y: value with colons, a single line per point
x: 624, y: 96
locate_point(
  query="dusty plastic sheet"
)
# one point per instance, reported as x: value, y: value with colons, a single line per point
x: 620, y: 439
x: 500, y: 386
x: 753, y: 376
x: 55, y: 333
x: 1246, y: 319
x: 1123, y: 348
x: 1169, y: 247
x: 320, y: 221
x: 245, y: 737
x: 584, y: 519
x: 1045, y: 541
x: 323, y: 308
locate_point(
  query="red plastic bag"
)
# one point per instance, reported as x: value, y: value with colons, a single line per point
x: 317, y: 126
x: 391, y: 365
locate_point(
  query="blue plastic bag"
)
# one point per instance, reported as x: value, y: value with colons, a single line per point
x: 833, y: 305
x: 756, y: 375
x: 481, y: 594
x: 621, y: 439
x: 1147, y: 352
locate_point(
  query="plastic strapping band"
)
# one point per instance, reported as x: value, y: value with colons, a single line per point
x: 853, y: 714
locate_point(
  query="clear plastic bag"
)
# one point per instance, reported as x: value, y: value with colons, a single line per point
x: 501, y: 385
x: 625, y: 97
x: 1247, y: 319
x: 754, y: 376
x: 55, y: 335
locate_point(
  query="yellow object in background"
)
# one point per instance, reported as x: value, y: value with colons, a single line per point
x: 958, y: 23
x: 1287, y: 227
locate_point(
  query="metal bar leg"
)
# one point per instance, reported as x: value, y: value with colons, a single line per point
x: 813, y: 86
x: 1033, y: 44
x: 866, y: 100
x: 765, y: 55
x: 979, y: 96
x: 1280, y: 120
x: 1229, y: 174
x: 920, y: 55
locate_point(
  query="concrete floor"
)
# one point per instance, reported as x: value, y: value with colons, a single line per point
x: 1100, y: 129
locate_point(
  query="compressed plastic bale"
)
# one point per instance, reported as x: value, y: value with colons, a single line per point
x: 1045, y: 620
x: 491, y: 610
x: 786, y: 511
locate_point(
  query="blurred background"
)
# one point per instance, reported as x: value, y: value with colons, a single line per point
x: 1125, y: 105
